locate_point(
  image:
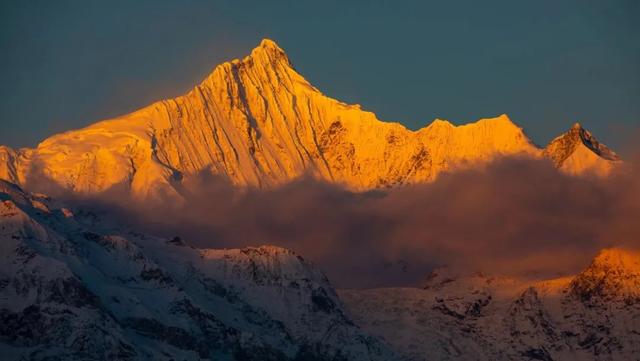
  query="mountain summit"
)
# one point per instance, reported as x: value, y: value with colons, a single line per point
x: 614, y: 273
x: 257, y: 122
x: 577, y: 151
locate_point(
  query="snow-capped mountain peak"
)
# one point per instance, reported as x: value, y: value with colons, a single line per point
x: 574, y: 137
x: 257, y: 122
x: 619, y: 259
x: 613, y: 274
x: 269, y: 49
x: 578, y: 151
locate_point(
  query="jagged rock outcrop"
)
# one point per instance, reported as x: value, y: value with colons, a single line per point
x: 74, y: 288
x: 594, y: 315
x: 258, y: 122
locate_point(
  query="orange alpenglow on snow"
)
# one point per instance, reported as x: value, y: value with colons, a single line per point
x: 258, y: 122
x: 577, y: 152
x: 615, y: 272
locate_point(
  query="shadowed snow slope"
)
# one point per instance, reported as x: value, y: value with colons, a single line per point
x: 258, y: 122
x: 74, y: 291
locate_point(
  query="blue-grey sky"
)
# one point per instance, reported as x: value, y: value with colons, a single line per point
x: 546, y: 63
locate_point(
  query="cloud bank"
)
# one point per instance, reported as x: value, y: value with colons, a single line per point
x: 514, y: 216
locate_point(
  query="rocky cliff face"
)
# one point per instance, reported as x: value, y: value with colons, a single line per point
x: 594, y: 315
x: 74, y: 288
x: 258, y: 122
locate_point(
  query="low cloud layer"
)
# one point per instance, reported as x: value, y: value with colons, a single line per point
x: 515, y: 217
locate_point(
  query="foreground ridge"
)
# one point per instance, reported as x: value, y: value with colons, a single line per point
x: 593, y: 315
x: 72, y: 277
x: 75, y: 287
x: 257, y: 122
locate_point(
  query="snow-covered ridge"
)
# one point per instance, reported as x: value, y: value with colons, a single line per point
x: 258, y: 122
x: 74, y: 291
x: 594, y: 315
x: 73, y: 286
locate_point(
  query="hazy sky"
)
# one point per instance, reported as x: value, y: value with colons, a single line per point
x: 66, y: 64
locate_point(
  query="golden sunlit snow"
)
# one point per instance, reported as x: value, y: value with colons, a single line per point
x: 258, y: 122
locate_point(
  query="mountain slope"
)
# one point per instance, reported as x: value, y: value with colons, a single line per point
x: 74, y: 288
x: 594, y: 315
x: 257, y: 122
